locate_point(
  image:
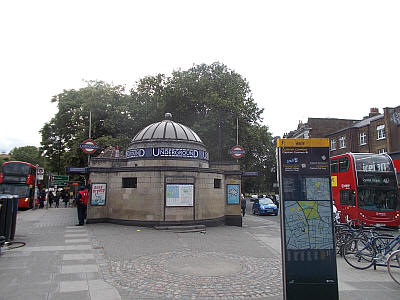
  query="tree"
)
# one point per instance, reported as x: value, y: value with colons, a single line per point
x: 28, y: 154
x: 206, y: 98
x: 112, y: 123
x: 210, y: 99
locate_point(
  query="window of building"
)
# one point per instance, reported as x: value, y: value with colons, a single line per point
x: 333, y: 144
x: 381, y: 151
x: 381, y: 132
x: 342, y: 142
x: 363, y: 138
x: 217, y: 183
x: 129, y: 182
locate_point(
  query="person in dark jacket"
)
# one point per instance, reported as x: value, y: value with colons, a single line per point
x: 243, y: 204
x: 42, y: 198
x: 64, y: 197
x: 50, y: 198
x: 57, y: 198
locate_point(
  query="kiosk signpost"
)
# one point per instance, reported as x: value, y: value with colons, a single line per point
x: 308, y: 248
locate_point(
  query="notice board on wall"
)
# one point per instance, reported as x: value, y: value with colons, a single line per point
x: 179, y: 195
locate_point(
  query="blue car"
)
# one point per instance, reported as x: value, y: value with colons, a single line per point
x: 264, y: 206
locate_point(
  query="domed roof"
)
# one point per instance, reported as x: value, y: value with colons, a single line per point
x: 166, y: 130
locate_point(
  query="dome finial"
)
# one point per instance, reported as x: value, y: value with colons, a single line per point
x: 168, y: 116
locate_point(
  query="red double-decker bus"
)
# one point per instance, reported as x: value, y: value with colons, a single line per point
x: 18, y: 178
x: 365, y: 188
x: 396, y: 162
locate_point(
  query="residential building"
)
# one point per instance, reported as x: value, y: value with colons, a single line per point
x: 318, y: 127
x: 375, y: 133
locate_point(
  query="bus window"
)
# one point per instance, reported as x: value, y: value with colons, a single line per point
x: 344, y: 164
x: 347, y: 197
x: 334, y: 166
x: 377, y: 200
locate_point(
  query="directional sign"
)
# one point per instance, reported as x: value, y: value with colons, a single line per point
x: 237, y: 151
x: 59, y: 180
x: 89, y: 146
x: 76, y: 170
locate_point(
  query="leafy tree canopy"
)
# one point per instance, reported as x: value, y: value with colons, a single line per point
x: 210, y: 99
x: 28, y: 154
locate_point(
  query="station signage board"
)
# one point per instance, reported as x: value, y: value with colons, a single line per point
x: 308, y: 247
x: 237, y: 151
x: 89, y: 146
x: 166, y: 152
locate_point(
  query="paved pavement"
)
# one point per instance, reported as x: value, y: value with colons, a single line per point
x: 106, y: 261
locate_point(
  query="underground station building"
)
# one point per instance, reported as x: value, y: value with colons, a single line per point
x: 165, y: 178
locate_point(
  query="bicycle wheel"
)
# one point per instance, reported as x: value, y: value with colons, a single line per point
x: 393, y: 265
x: 341, y: 240
x: 359, y: 253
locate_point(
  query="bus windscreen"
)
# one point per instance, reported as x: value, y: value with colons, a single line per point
x: 378, y: 199
x: 16, y: 168
x: 372, y: 163
x: 22, y: 190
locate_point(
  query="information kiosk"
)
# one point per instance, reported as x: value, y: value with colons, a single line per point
x: 308, y: 248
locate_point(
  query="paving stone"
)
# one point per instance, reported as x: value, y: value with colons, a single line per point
x: 78, y: 269
x: 73, y: 286
x: 80, y: 256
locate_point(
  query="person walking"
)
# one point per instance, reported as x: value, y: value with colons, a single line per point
x: 42, y: 198
x: 57, y: 199
x: 243, y: 204
x: 50, y: 198
x: 81, y: 205
x: 64, y: 197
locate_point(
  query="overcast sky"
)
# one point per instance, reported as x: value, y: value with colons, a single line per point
x: 301, y: 58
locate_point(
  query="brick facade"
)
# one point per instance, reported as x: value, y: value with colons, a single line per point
x: 376, y: 133
x: 318, y: 127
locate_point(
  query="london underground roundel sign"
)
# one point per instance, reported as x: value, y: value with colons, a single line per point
x: 89, y: 146
x: 237, y: 151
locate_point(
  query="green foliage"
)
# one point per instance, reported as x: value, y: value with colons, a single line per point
x: 3, y: 159
x: 28, y: 154
x: 207, y: 98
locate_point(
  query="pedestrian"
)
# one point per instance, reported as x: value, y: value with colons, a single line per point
x: 243, y: 204
x: 57, y: 199
x: 81, y: 205
x: 64, y: 196
x: 42, y: 198
x: 50, y: 198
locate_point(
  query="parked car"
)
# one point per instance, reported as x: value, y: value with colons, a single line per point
x: 253, y: 198
x: 264, y: 206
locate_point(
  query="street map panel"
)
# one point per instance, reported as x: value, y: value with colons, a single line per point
x: 308, y: 225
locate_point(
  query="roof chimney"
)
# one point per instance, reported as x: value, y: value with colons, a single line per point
x: 374, y: 111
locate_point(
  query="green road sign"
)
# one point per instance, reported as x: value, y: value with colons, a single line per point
x: 59, y: 180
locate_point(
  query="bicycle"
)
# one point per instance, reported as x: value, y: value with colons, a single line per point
x: 393, y: 265
x: 363, y: 252
x: 347, y: 231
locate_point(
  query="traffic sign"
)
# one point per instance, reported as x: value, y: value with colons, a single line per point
x: 40, y: 173
x: 89, y: 146
x: 237, y: 151
x: 59, y: 180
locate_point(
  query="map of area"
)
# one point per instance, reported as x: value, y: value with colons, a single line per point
x: 308, y: 225
x: 318, y: 188
x: 179, y: 195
